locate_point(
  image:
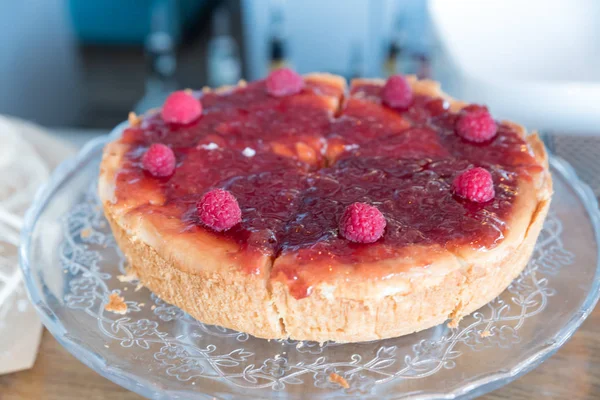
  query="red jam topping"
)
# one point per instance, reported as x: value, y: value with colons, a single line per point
x: 294, y: 165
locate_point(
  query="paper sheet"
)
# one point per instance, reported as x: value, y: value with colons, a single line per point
x: 27, y: 154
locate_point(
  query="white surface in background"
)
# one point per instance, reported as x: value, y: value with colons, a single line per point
x: 26, y: 157
x: 317, y: 32
x: 39, y: 65
x: 536, y: 61
x: 322, y: 35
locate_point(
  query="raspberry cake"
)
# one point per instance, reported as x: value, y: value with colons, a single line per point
x: 294, y: 207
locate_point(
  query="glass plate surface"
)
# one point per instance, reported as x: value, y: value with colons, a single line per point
x: 71, y: 264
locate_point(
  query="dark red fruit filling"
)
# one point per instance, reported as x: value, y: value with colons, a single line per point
x: 293, y: 169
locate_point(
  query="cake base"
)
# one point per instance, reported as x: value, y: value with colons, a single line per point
x: 245, y: 303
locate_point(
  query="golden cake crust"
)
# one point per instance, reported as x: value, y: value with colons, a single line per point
x: 209, y: 279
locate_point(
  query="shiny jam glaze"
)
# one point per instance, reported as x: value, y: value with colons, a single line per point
x: 256, y: 146
x: 306, y: 166
x: 292, y: 126
x: 265, y: 185
x: 421, y: 110
x: 414, y: 195
x: 360, y: 122
x: 416, y: 199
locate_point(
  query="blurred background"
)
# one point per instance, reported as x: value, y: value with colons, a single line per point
x: 86, y: 63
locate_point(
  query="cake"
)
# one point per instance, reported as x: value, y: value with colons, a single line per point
x: 296, y: 207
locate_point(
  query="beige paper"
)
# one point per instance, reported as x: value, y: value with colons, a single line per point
x: 20, y: 328
x: 28, y: 154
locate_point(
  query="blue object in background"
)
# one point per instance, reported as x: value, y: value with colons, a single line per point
x: 128, y: 22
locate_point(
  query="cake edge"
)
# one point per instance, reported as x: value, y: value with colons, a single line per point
x: 276, y: 314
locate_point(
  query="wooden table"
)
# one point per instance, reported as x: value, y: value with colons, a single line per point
x: 573, y: 373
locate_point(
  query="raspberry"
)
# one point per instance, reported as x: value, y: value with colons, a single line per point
x: 181, y: 108
x: 284, y: 82
x: 159, y: 160
x: 397, y: 92
x: 219, y: 210
x: 476, y: 125
x: 362, y: 223
x: 475, y: 184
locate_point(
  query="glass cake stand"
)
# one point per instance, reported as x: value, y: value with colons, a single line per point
x: 71, y: 264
